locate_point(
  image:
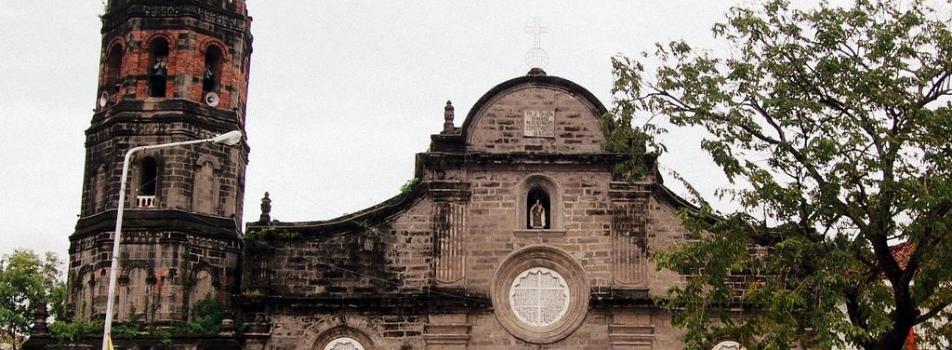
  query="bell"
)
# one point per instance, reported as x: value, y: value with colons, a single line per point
x: 160, y: 68
x: 159, y: 72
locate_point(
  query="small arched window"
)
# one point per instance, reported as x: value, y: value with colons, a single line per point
x: 539, y: 209
x: 212, y: 75
x: 148, y: 176
x: 113, y: 69
x: 158, y: 67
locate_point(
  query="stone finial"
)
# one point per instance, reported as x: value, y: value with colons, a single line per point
x: 536, y: 72
x: 265, y: 209
x: 39, y: 320
x: 227, y: 326
x: 448, y: 118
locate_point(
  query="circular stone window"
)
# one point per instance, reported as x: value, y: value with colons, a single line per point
x: 540, y: 294
x: 344, y: 343
x: 728, y: 345
x: 539, y: 297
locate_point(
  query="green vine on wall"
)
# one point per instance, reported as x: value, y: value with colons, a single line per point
x: 264, y: 237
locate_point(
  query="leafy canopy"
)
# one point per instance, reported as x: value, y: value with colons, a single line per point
x: 26, y: 281
x: 834, y: 128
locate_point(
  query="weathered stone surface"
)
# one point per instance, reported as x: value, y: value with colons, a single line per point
x: 181, y: 242
x: 418, y: 271
x: 432, y: 268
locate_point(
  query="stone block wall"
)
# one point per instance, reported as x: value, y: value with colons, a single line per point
x: 177, y: 167
x: 160, y: 276
x: 437, y: 271
x: 371, y: 259
x: 499, y: 126
x: 492, y: 223
x: 665, y: 231
x: 620, y: 329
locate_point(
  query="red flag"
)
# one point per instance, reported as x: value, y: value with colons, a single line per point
x: 911, y: 340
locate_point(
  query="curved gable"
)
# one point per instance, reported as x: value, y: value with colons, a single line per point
x: 535, y: 113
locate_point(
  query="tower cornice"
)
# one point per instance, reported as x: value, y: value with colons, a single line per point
x: 117, y: 15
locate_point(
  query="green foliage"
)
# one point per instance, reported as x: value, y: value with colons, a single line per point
x: 834, y: 128
x: 57, y: 301
x: 207, y: 315
x: 263, y: 237
x: 408, y: 186
x: 132, y: 327
x: 68, y: 331
x: 26, y: 280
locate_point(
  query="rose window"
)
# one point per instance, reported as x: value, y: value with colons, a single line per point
x: 344, y: 344
x: 728, y: 345
x: 539, y: 297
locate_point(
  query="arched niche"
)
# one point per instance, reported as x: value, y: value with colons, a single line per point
x: 100, y: 189
x: 534, y: 192
x: 134, y: 294
x: 206, y: 186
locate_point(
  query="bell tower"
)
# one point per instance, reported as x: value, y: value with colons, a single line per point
x: 170, y: 70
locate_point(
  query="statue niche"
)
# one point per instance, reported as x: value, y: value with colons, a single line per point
x: 538, y: 209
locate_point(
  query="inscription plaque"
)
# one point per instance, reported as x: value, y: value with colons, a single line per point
x: 539, y: 123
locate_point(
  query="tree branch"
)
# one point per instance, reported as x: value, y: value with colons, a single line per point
x: 931, y: 313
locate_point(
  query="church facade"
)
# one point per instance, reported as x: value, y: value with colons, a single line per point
x: 515, y: 234
x: 518, y: 235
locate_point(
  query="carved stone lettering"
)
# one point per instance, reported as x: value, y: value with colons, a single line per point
x: 539, y: 123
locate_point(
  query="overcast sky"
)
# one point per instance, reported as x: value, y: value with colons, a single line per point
x: 343, y: 93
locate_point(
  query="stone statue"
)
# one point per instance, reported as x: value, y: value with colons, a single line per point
x: 537, y: 215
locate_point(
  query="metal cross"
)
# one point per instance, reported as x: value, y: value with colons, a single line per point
x: 536, y: 30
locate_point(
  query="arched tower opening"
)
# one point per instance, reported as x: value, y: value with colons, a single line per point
x: 158, y: 67
x: 148, y: 177
x: 113, y: 69
x: 212, y: 75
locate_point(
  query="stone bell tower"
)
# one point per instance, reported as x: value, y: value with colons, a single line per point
x: 170, y: 70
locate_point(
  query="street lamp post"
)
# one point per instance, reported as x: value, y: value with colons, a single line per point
x: 229, y: 139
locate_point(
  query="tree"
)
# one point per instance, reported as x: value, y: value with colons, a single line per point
x: 26, y: 280
x: 834, y: 128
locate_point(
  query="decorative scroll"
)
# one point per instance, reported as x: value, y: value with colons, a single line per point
x: 448, y: 222
x: 629, y: 243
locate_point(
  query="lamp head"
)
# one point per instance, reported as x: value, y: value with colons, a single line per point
x: 230, y: 138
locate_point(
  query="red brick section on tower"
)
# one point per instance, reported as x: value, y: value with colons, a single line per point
x: 183, y: 243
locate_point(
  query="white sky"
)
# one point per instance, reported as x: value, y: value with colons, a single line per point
x: 343, y: 93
